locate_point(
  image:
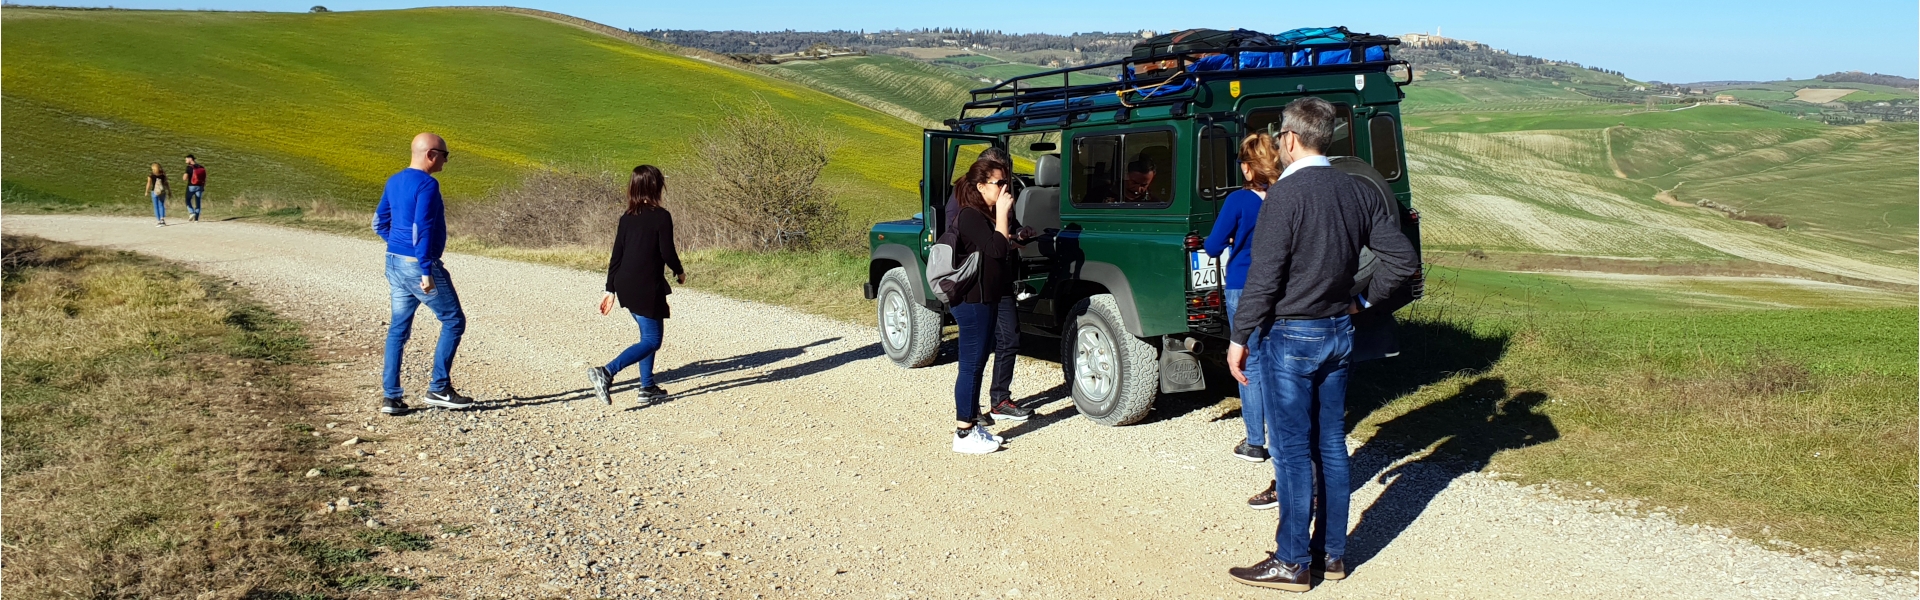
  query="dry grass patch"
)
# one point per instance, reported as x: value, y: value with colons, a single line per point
x: 156, y: 439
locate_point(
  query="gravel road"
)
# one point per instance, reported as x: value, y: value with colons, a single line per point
x: 796, y: 461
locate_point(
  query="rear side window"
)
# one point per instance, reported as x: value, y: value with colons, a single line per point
x: 1131, y: 169
x: 1385, y: 137
x: 1219, y: 171
x: 1268, y: 120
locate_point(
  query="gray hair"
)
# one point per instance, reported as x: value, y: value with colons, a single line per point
x: 1311, y: 119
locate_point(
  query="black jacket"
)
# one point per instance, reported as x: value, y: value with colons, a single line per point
x: 642, y: 251
x: 976, y: 234
x: 1306, y: 249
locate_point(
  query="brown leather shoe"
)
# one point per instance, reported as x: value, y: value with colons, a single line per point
x: 1333, y: 570
x: 1271, y: 573
x: 1267, y: 499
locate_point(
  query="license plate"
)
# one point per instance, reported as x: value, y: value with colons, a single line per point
x: 1205, y: 271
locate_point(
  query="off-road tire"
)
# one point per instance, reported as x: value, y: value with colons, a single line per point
x: 1132, y: 364
x: 917, y: 340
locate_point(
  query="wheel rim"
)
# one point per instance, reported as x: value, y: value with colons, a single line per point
x: 894, y: 324
x: 1093, y: 364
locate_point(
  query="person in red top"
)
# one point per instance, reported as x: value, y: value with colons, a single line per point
x: 196, y: 179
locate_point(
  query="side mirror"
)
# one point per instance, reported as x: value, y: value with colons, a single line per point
x: 1043, y: 146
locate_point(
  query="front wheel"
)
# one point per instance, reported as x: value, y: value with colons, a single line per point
x: 909, y: 332
x: 1114, y: 375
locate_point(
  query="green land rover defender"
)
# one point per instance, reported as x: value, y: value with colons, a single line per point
x: 1125, y: 176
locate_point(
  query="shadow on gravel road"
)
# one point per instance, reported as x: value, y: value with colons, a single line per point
x: 1445, y: 440
x: 698, y: 368
x: 817, y: 365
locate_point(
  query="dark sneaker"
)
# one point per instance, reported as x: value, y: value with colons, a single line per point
x: 984, y: 419
x: 1267, y: 499
x: 601, y: 381
x: 1273, y: 574
x: 447, y: 398
x: 652, y: 394
x: 393, y: 406
x: 1006, y: 409
x: 1332, y: 570
x: 1250, y: 453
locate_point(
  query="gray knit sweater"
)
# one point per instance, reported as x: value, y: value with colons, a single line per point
x: 1306, y: 249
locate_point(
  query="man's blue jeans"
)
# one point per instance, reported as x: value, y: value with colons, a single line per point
x: 195, y: 195
x: 403, y: 280
x: 651, y: 331
x: 1252, y: 408
x: 1306, y: 393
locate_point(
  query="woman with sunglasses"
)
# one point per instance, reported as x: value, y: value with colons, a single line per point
x: 983, y: 225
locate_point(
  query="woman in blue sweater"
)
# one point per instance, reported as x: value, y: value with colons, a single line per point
x: 1232, y: 231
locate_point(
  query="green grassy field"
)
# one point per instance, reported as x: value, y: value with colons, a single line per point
x: 1794, y: 425
x: 928, y: 94
x: 322, y: 105
x: 1591, y: 181
x: 187, y: 482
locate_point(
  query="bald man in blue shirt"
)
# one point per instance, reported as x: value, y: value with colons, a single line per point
x: 412, y: 219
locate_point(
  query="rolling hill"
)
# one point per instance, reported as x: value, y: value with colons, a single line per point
x: 322, y: 105
x: 912, y: 90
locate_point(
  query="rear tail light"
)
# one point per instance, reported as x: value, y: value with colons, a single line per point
x: 1195, y: 242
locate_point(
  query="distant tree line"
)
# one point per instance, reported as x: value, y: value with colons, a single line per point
x: 1473, y: 60
x: 1871, y: 78
x: 1096, y: 46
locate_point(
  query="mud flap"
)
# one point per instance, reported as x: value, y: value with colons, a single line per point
x: 1179, y: 367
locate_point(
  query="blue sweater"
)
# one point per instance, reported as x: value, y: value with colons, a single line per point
x: 1234, y: 227
x: 412, y: 218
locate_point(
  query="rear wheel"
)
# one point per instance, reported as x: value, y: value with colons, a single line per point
x: 909, y: 332
x: 1114, y: 376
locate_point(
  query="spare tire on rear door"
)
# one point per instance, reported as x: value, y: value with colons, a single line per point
x: 1114, y: 376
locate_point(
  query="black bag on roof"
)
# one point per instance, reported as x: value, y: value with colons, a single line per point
x: 1199, y: 40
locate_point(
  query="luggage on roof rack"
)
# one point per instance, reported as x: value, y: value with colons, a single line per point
x: 1162, y: 68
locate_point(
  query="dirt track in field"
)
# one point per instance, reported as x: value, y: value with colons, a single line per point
x: 796, y: 461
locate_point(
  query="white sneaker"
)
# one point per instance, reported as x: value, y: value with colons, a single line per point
x: 977, y: 441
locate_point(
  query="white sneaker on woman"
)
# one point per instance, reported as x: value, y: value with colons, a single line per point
x: 977, y: 441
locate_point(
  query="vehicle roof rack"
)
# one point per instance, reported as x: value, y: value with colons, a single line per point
x: 1016, y: 99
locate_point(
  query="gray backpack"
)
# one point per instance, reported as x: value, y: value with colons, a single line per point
x: 949, y: 280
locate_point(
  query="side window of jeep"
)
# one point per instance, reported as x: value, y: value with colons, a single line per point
x: 1268, y: 120
x: 1133, y: 169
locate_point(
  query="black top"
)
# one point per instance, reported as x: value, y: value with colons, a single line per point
x: 642, y: 250
x: 1306, y: 249
x: 976, y: 234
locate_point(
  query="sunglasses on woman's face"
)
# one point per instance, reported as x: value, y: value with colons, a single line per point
x: 999, y: 182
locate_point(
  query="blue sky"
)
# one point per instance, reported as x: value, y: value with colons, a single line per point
x: 1669, y: 40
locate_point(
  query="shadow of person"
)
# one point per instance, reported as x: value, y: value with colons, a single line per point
x: 1459, y: 435
x: 824, y: 363
x: 698, y: 368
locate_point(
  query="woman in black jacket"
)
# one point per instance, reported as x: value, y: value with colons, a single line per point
x: 642, y: 248
x: 983, y: 226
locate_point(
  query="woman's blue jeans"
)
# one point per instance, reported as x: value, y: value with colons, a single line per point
x: 159, y: 207
x: 640, y: 353
x: 1253, y: 409
x: 976, y: 320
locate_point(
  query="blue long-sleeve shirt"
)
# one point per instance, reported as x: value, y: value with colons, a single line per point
x: 1234, y: 228
x: 412, y: 217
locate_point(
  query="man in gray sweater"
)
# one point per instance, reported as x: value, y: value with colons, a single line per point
x: 1306, y: 251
